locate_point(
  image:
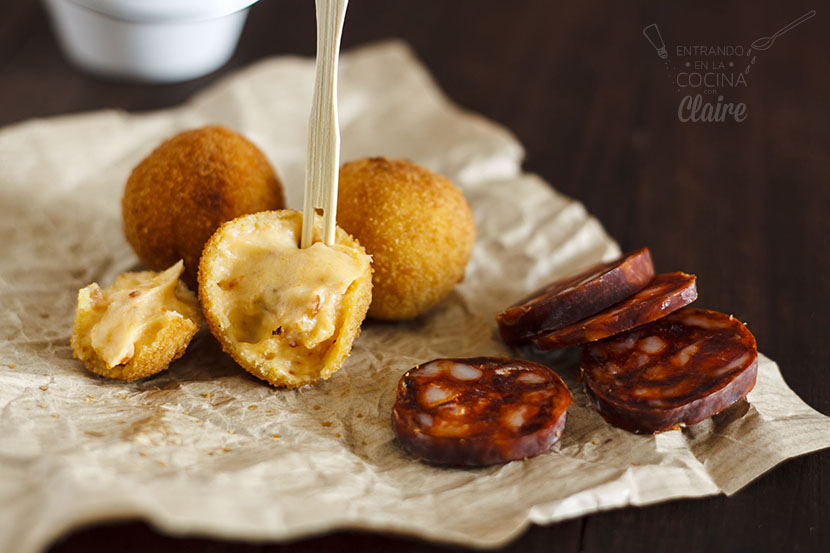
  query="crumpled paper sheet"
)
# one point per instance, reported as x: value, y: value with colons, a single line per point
x: 204, y: 448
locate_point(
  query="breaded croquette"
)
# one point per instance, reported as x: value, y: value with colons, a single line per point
x: 415, y: 224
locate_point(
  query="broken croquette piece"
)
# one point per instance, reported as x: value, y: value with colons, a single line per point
x: 137, y: 326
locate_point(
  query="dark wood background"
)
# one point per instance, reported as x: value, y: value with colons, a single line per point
x: 742, y: 205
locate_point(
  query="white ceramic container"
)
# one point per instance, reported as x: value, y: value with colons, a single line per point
x: 149, y: 40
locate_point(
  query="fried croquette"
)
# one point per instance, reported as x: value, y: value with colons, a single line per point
x: 137, y: 326
x: 178, y: 196
x: 415, y: 224
x: 287, y: 315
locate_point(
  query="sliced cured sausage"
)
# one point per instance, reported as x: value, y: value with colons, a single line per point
x: 574, y: 298
x: 479, y: 411
x: 667, y: 292
x: 678, y: 370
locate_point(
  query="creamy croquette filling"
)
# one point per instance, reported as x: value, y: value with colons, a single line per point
x: 290, y: 293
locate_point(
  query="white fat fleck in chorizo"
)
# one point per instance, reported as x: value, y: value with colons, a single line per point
x: 425, y: 420
x: 682, y: 357
x: 460, y: 371
x: 623, y: 345
x: 536, y: 396
x: 734, y: 364
x: 640, y: 391
x: 516, y: 416
x: 639, y: 360
x: 651, y: 344
x: 453, y: 410
x: 436, y: 394
x: 705, y: 322
x: 529, y: 378
x: 430, y: 369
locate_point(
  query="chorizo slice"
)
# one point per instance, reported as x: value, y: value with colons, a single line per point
x: 676, y: 371
x: 479, y: 411
x: 574, y: 298
x: 667, y: 292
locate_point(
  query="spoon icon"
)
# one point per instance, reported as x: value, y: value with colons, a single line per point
x: 764, y: 43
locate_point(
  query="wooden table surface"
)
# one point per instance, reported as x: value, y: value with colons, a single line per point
x: 744, y: 205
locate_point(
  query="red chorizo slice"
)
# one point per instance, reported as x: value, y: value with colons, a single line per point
x: 574, y: 298
x: 479, y: 411
x: 667, y: 292
x: 676, y: 371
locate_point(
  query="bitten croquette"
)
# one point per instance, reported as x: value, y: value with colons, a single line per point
x: 178, y: 196
x: 415, y: 224
x: 287, y: 315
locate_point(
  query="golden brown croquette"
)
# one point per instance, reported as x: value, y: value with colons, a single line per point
x: 137, y: 326
x: 287, y: 315
x: 415, y: 224
x: 179, y: 195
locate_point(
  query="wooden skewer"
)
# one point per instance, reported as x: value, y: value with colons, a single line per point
x: 323, y: 153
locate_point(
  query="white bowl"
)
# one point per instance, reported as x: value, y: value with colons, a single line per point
x: 149, y: 40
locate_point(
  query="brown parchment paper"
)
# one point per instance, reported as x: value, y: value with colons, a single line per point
x: 204, y: 448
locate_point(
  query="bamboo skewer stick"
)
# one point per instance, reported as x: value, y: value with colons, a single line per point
x: 323, y: 151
